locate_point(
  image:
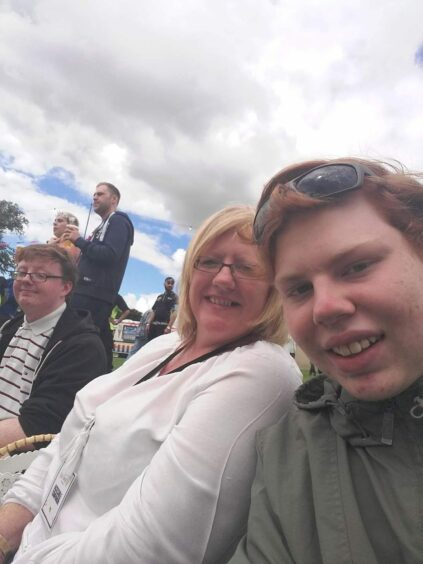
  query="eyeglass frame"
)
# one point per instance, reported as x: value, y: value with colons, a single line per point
x: 361, y: 172
x: 231, y: 267
x: 20, y: 275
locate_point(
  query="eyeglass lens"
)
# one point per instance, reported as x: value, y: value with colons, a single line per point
x: 33, y: 276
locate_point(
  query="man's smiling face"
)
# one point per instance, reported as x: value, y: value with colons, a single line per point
x: 351, y: 286
x: 38, y: 299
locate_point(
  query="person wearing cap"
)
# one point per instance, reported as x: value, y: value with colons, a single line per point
x: 339, y: 478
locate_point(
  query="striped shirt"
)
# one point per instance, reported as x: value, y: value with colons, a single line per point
x: 21, y: 359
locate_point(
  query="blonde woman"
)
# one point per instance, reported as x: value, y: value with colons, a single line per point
x: 162, y: 449
x: 60, y: 223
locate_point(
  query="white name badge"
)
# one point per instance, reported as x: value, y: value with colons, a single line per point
x: 56, y: 497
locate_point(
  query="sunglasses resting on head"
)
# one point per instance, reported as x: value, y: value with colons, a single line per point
x: 319, y: 182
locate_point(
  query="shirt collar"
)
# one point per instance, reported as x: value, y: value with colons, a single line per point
x: 45, y: 323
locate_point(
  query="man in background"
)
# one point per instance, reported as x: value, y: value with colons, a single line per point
x: 164, y: 306
x: 9, y: 306
x: 104, y: 256
x: 48, y: 352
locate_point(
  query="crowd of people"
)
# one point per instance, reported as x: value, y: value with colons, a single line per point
x: 204, y: 446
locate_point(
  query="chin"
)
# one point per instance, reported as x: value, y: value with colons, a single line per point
x: 370, y: 391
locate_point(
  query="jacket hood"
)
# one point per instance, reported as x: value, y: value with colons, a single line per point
x: 71, y: 322
x: 131, y: 227
x: 74, y: 322
x: 317, y: 393
x: 361, y: 423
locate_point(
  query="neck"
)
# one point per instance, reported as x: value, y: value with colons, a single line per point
x: 198, y: 347
x: 104, y: 215
x: 193, y: 351
x: 32, y: 316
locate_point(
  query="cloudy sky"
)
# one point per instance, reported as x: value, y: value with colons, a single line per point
x: 188, y: 106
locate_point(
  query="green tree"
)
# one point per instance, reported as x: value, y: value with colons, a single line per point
x: 13, y: 220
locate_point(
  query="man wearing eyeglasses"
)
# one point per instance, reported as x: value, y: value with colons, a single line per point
x: 47, y: 353
x: 340, y: 478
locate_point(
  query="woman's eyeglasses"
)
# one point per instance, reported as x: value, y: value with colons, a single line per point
x: 319, y: 182
x: 238, y: 269
x: 33, y: 276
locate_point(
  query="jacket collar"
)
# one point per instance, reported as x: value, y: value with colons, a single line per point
x: 361, y: 423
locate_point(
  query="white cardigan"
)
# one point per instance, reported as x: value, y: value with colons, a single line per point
x: 166, y: 473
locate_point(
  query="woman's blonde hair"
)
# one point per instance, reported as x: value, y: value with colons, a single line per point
x: 69, y: 217
x: 238, y: 218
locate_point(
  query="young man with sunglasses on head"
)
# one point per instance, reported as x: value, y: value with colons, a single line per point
x: 47, y: 353
x: 340, y: 478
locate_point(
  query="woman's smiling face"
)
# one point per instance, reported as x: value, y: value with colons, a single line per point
x: 227, y: 307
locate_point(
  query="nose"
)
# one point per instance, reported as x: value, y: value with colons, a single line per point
x: 331, y: 303
x: 224, y: 277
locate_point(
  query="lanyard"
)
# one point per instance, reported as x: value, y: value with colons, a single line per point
x: 246, y: 340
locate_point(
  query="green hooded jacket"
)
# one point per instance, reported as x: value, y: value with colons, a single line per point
x: 339, y: 481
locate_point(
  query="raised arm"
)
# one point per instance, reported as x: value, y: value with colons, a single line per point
x: 114, y: 244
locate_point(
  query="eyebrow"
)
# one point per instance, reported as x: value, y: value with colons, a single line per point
x: 340, y: 257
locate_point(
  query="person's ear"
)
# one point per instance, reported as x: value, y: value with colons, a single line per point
x: 67, y: 287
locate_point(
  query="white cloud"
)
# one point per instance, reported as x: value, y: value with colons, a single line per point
x: 147, y: 249
x: 189, y: 106
x: 141, y: 303
x: 40, y: 209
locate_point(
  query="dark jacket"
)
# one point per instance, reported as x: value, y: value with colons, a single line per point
x: 164, y: 305
x: 339, y: 481
x: 73, y: 357
x: 102, y: 264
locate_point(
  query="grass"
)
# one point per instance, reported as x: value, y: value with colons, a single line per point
x: 118, y: 361
x: 306, y: 375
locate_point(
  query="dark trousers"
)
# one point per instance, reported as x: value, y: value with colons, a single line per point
x: 106, y: 336
x: 100, y: 313
x: 156, y: 330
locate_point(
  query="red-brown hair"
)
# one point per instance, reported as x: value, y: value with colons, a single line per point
x: 395, y: 192
x: 51, y: 253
